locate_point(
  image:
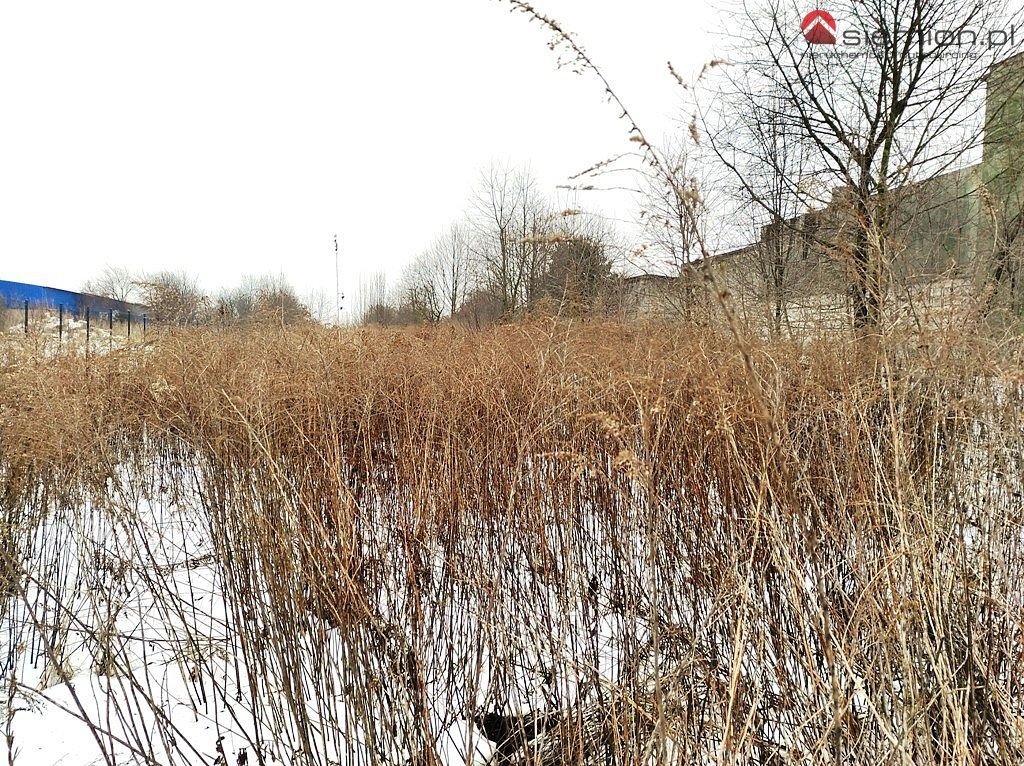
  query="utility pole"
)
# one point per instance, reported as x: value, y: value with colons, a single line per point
x: 338, y: 295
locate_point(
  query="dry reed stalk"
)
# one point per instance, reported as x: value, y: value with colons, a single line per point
x: 595, y: 521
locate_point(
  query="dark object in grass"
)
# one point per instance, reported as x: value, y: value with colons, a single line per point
x: 510, y: 732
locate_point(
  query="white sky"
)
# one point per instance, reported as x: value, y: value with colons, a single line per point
x: 226, y: 137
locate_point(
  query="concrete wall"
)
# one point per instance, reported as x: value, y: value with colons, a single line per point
x: 957, y: 244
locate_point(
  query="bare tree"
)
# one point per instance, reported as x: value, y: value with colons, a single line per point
x: 381, y: 315
x: 321, y: 305
x: 276, y: 301
x: 371, y: 294
x: 438, y: 281
x: 673, y: 227
x: 674, y: 217
x: 238, y: 302
x: 480, y: 309
x: 117, y: 282
x: 778, y: 196
x: 510, y: 216
x: 175, y: 298
x: 419, y: 292
x: 452, y: 258
x: 894, y: 101
x: 267, y: 300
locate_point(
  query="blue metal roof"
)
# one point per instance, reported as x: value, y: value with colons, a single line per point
x: 16, y: 294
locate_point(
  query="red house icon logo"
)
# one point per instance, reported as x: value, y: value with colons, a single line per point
x: 819, y: 28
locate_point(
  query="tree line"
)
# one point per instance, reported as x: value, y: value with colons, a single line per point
x: 797, y: 153
x: 512, y: 252
x: 176, y: 298
x: 794, y: 128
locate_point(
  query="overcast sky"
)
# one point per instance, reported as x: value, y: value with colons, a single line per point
x: 226, y: 137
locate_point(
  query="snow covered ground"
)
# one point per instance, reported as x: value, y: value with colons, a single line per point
x: 121, y: 647
x: 112, y: 654
x: 47, y: 338
x: 147, y: 630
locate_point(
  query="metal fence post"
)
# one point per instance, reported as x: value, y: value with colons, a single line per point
x: 129, y: 323
x: 143, y: 325
x: 26, y: 317
x: 88, y: 326
x: 110, y: 330
x: 60, y: 325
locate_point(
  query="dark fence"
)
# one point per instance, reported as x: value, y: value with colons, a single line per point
x: 63, y: 308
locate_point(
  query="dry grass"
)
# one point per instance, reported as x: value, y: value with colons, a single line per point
x: 686, y: 559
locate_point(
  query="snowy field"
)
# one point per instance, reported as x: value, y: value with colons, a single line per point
x: 114, y: 656
x: 122, y: 648
x: 139, y: 640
